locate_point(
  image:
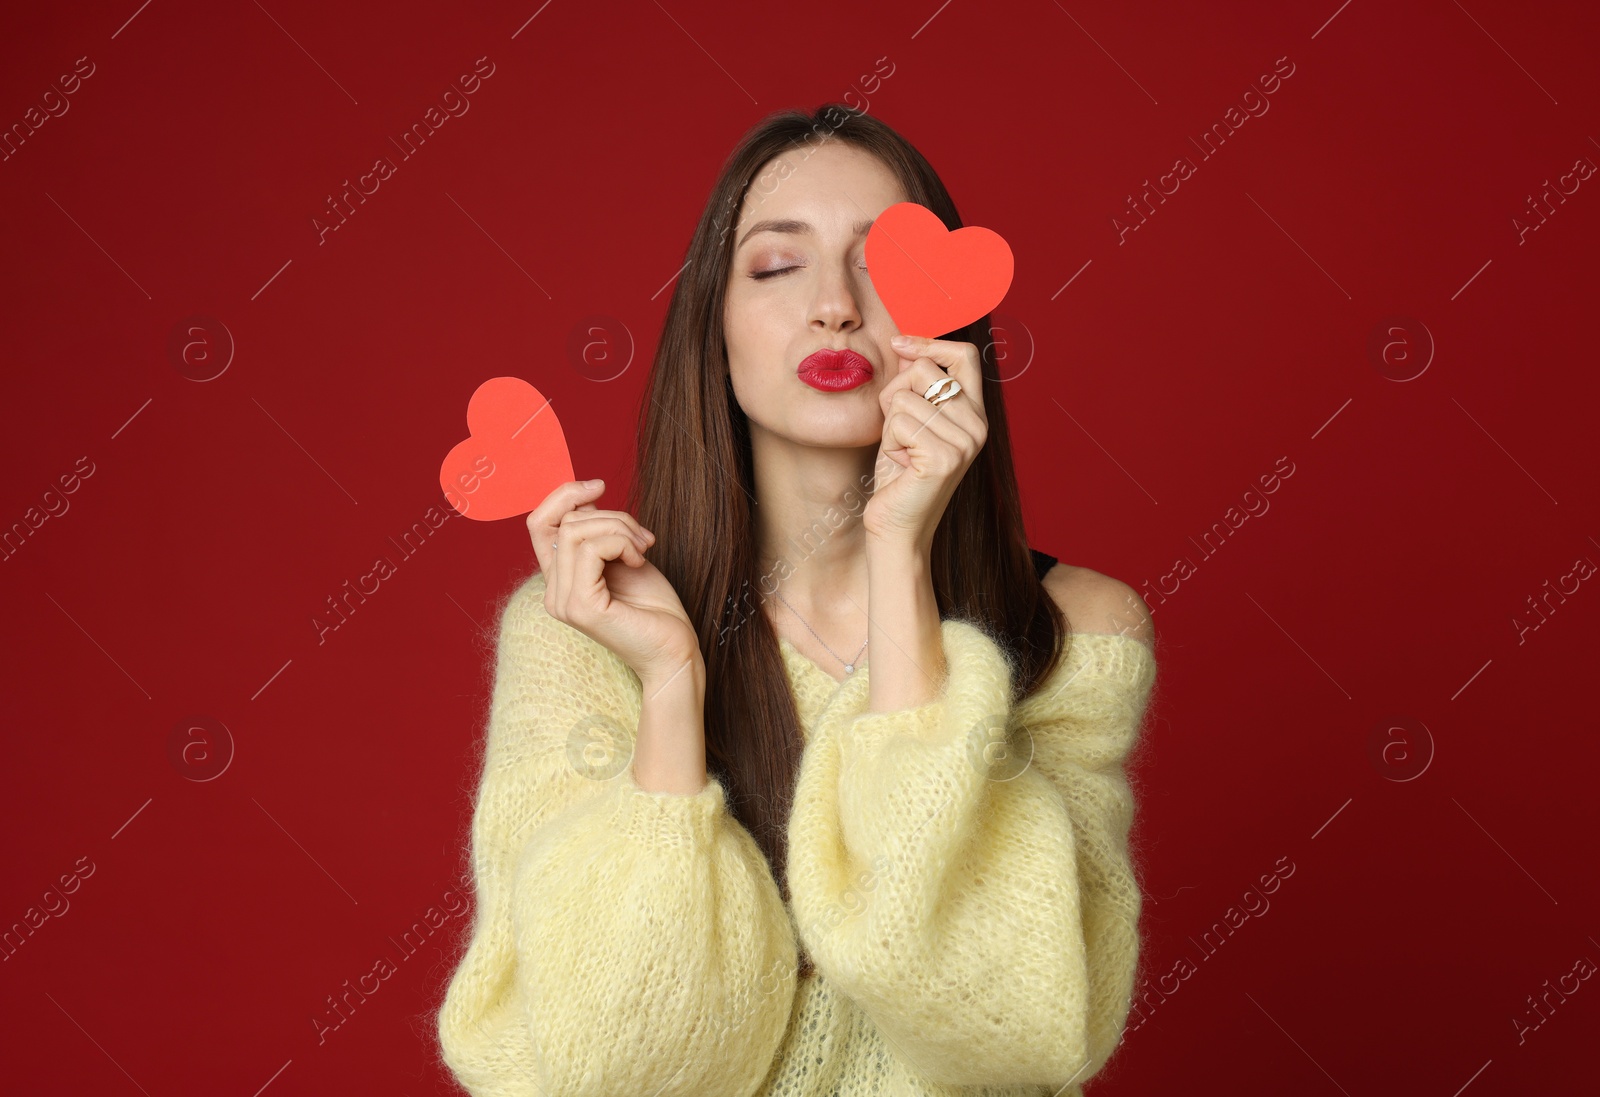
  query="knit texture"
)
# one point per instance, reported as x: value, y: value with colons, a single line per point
x: 958, y: 874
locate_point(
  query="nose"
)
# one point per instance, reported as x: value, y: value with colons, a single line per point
x: 834, y: 306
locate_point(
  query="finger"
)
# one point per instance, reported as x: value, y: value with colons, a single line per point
x: 918, y: 378
x: 593, y: 553
x: 968, y: 413
x: 579, y: 582
x: 906, y: 378
x: 642, y: 535
x: 932, y: 423
x: 946, y: 352
x: 544, y: 519
x: 576, y: 531
x: 578, y: 526
x: 946, y: 419
x: 585, y: 568
x: 908, y: 385
x: 911, y: 444
x: 958, y: 359
x: 926, y: 453
x: 563, y: 498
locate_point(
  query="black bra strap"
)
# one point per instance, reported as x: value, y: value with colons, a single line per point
x: 1042, y: 562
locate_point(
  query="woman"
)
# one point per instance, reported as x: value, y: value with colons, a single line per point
x: 720, y: 850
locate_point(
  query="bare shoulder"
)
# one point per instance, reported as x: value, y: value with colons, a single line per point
x: 1093, y: 602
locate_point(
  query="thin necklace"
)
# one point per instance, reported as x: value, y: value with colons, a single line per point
x: 850, y: 667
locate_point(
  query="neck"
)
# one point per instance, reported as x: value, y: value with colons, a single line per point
x: 809, y: 537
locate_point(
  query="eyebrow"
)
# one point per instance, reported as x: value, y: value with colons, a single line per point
x: 790, y: 225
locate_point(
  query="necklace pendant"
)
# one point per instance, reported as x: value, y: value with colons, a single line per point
x: 849, y: 668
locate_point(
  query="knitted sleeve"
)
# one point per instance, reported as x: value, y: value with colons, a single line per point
x: 960, y: 869
x: 624, y: 941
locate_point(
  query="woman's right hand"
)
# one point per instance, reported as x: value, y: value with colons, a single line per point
x: 598, y: 581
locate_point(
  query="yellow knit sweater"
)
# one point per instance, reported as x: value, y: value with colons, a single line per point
x: 964, y: 891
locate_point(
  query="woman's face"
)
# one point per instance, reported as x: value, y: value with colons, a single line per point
x: 799, y: 285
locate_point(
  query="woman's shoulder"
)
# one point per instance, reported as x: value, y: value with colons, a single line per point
x: 1098, y: 604
x: 1110, y: 656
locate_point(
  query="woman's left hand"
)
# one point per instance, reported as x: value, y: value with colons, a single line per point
x: 934, y: 446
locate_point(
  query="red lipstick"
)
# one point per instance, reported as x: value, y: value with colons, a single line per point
x: 835, y: 370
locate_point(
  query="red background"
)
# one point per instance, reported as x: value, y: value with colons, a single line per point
x: 1178, y: 366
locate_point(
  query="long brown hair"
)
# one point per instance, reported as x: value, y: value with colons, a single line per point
x: 694, y: 488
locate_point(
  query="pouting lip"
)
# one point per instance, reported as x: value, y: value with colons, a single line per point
x: 829, y: 360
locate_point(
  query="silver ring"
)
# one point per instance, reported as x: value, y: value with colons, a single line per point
x: 946, y: 387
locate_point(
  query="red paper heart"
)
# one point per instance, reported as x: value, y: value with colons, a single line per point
x: 934, y: 281
x: 515, y: 453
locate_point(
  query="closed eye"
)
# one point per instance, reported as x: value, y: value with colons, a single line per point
x: 763, y: 274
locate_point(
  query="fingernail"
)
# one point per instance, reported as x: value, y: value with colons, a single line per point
x: 592, y: 483
x: 901, y: 340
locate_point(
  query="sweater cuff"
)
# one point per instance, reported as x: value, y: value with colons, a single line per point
x: 975, y: 693
x: 666, y: 818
